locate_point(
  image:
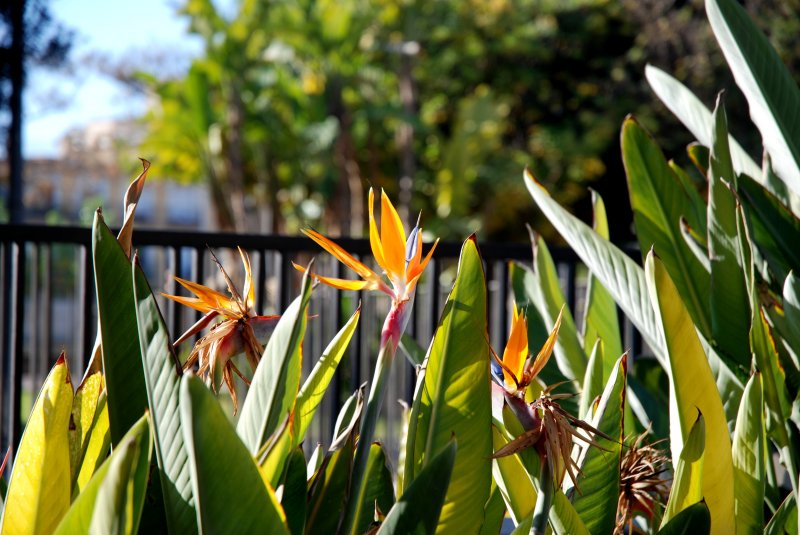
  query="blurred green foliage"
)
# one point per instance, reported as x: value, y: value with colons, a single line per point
x: 297, y: 106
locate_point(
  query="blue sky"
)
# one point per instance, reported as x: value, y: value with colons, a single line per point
x: 111, y: 26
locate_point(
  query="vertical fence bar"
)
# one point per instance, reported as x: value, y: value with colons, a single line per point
x: 86, y: 294
x: 47, y: 315
x: 19, y: 314
x: 176, y: 311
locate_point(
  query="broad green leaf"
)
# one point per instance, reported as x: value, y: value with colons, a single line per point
x: 272, y: 459
x: 695, y: 116
x: 694, y: 520
x: 620, y: 275
x: 790, y: 328
x: 695, y: 213
x: 730, y: 320
x: 600, y: 316
x: 658, y: 202
x: 418, y: 509
x: 378, y: 489
x: 569, y: 354
x: 313, y: 390
x: 513, y: 481
x: 749, y: 459
x: 455, y: 397
x: 274, y: 388
x: 596, y: 501
x: 785, y: 518
x: 120, y: 498
x: 122, y: 361
x: 692, y: 388
x: 771, y: 93
x: 112, y: 501
x: 402, y: 447
x: 688, y: 481
x: 493, y: 513
x: 295, y: 490
x: 89, y: 439
x: 564, y: 519
x: 39, y: 489
x: 328, y: 491
x: 162, y: 374
x: 230, y: 496
x: 593, y: 381
x: 314, y: 461
x: 775, y: 230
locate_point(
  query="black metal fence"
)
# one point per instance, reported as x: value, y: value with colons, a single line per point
x: 48, y: 304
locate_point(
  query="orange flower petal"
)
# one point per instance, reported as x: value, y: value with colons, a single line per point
x: 516, y: 351
x: 341, y: 255
x: 211, y: 297
x: 193, y: 302
x: 393, y: 238
x: 547, y: 349
x: 374, y: 237
x: 416, y: 268
x: 342, y: 284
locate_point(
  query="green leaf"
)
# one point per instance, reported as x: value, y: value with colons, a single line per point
x: 730, y: 321
x: 695, y: 116
x: 113, y: 499
x: 414, y: 352
x: 658, y: 202
x: 694, y: 520
x: 418, y: 509
x: 775, y: 230
x: 230, y: 496
x: 39, y: 489
x: 790, y: 329
x: 767, y: 85
x: 749, y: 459
x: 688, y: 481
x: 274, y: 388
x: 692, y: 388
x: 455, y: 397
x: 328, y: 491
x: 785, y: 518
x: 600, y: 316
x: 295, y: 489
x: 90, y: 439
x: 593, y: 381
x: 378, y: 489
x: 162, y: 373
x: 569, y: 354
x: 695, y: 214
x: 122, y: 361
x: 620, y: 275
x: 513, y: 481
x: 493, y: 513
x: 313, y: 390
x: 596, y: 502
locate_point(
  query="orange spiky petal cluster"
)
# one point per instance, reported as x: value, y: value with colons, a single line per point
x: 399, y: 258
x: 240, y: 330
x: 519, y: 370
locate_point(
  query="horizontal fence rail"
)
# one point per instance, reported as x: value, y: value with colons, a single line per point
x: 48, y: 305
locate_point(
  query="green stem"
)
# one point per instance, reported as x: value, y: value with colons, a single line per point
x: 541, y: 512
x: 377, y: 393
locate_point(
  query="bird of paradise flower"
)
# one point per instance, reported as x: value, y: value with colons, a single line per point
x: 401, y: 261
x: 240, y: 330
x: 549, y: 429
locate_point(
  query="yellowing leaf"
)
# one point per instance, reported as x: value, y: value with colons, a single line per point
x: 692, y: 388
x: 39, y: 490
